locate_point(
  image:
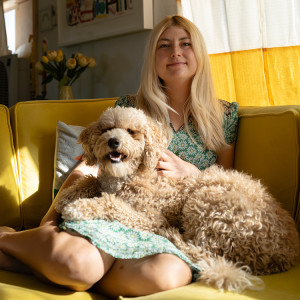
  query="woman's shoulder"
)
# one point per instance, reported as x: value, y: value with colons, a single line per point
x: 230, y: 108
x: 126, y: 101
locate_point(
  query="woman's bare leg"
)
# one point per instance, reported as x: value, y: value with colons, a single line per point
x: 73, y: 262
x: 62, y: 258
x: 9, y: 263
x: 148, y: 275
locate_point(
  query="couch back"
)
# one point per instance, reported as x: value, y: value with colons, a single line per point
x: 267, y: 147
x: 34, y: 129
x: 10, y: 201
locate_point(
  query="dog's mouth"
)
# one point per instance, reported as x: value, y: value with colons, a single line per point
x: 116, y: 157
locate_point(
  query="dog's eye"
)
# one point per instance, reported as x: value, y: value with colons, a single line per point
x: 131, y: 132
x: 106, y: 129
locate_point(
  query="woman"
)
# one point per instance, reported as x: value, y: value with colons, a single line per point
x: 176, y: 89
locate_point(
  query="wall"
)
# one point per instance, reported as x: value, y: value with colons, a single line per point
x: 119, y: 58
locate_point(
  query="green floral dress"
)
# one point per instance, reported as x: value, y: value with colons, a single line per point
x: 125, y: 243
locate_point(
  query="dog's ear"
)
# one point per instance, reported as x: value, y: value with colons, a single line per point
x: 87, y: 139
x: 155, y: 142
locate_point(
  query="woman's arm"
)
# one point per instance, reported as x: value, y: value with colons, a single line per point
x: 226, y: 157
x: 52, y: 217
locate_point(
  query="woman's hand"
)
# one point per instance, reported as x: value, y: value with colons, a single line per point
x: 171, y: 165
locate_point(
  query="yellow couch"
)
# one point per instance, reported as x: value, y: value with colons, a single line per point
x: 267, y: 147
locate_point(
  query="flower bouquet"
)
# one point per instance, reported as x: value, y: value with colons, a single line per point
x: 66, y: 72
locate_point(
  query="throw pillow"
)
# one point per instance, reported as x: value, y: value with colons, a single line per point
x: 66, y: 150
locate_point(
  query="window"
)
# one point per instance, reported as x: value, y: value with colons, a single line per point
x: 254, y: 48
x: 10, y: 24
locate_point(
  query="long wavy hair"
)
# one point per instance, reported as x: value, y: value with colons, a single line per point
x: 202, y: 105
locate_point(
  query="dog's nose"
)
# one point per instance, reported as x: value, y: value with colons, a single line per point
x: 113, y: 143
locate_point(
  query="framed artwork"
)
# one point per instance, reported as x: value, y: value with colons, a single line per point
x: 45, y: 19
x: 81, y: 21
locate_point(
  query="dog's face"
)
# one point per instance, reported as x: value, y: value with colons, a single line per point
x: 123, y: 141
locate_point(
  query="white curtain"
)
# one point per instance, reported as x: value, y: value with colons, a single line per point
x: 3, y: 39
x: 235, y: 25
x: 254, y: 48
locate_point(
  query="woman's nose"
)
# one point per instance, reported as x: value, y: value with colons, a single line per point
x: 176, y: 51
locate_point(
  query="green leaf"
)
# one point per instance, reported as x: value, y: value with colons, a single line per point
x: 78, y: 73
x: 71, y: 73
x: 51, y: 69
x: 47, y: 79
x: 64, y: 81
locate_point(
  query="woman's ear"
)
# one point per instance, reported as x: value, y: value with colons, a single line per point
x: 155, y: 142
x: 88, y: 143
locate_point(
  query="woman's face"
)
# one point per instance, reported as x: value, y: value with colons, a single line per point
x: 175, y: 58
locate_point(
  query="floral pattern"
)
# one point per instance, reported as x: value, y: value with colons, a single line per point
x: 125, y: 243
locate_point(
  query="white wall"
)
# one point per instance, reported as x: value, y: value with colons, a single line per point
x: 119, y: 58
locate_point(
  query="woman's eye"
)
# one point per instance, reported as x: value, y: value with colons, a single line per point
x: 131, y: 132
x: 163, y: 46
x: 187, y: 44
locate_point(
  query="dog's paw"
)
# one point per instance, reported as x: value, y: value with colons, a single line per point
x: 225, y: 275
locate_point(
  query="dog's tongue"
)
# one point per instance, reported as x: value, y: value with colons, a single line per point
x: 115, y: 156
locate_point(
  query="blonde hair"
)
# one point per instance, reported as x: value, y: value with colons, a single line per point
x: 202, y: 105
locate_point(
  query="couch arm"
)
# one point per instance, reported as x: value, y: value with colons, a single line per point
x: 268, y: 148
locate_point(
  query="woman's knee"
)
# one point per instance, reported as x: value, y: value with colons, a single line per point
x: 74, y: 262
x: 167, y: 271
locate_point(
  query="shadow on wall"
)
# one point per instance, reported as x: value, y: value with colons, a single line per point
x: 115, y: 75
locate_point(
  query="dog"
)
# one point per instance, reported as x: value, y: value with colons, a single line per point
x: 225, y: 221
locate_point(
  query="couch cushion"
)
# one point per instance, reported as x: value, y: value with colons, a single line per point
x: 26, y: 287
x: 9, y: 190
x: 268, y: 148
x: 34, y: 124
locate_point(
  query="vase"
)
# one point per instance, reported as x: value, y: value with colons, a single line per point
x: 65, y: 93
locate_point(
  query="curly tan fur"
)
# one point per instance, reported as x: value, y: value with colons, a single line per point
x: 224, y: 221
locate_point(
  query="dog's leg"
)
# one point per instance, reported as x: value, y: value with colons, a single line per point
x: 85, y: 187
x: 111, y: 208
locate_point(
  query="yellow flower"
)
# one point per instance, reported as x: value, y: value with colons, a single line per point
x: 71, y: 63
x: 82, y: 61
x: 60, y: 56
x: 39, y: 67
x: 78, y: 54
x: 51, y: 55
x: 45, y: 59
x: 65, y: 71
x: 92, y: 62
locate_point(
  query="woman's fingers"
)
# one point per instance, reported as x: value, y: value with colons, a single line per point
x: 171, y: 165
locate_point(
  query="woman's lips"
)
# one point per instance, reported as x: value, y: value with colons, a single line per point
x: 176, y: 64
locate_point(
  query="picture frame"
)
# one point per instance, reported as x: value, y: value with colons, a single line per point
x: 101, y: 19
x: 45, y: 19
